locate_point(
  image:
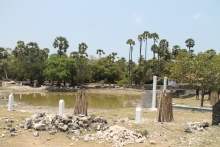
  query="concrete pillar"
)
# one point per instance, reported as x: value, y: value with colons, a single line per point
x: 20, y: 96
x: 146, y: 100
x: 21, y: 84
x: 165, y: 84
x: 154, y: 95
x: 61, y: 107
x: 34, y: 84
x: 5, y: 84
x: 138, y: 115
x: 10, y: 102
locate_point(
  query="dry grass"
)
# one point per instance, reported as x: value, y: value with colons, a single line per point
x: 164, y: 134
x: 191, y: 101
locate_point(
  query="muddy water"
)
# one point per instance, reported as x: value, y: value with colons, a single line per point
x: 96, y: 100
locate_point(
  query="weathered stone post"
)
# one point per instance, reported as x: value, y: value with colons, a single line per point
x: 61, y: 107
x: 10, y: 102
x: 165, y: 84
x: 21, y: 84
x: 138, y: 115
x: 154, y: 92
x: 20, y: 96
x: 34, y: 85
x: 5, y: 84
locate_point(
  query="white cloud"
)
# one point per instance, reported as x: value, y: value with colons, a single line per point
x: 137, y: 18
x: 197, y: 15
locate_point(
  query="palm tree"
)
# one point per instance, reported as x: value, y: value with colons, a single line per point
x: 62, y: 44
x: 32, y: 49
x: 19, y: 49
x: 190, y: 43
x: 130, y: 42
x: 3, y: 55
x: 163, y: 45
x: 146, y: 35
x: 140, y: 38
x: 175, y: 51
x: 155, y: 38
x: 46, y: 52
x: 82, y: 50
x: 74, y: 55
x: 100, y: 51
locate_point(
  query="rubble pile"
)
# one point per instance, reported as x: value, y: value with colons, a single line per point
x: 196, y: 126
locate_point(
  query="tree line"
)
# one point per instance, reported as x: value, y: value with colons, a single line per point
x: 29, y: 61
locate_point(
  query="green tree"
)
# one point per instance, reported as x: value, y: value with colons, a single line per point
x: 3, y: 56
x: 62, y: 44
x: 155, y: 37
x: 131, y: 43
x: 140, y: 38
x: 164, y: 49
x: 175, y: 50
x: 60, y: 69
x: 190, y: 44
x: 100, y: 52
x: 82, y: 50
x: 200, y: 70
x: 146, y: 35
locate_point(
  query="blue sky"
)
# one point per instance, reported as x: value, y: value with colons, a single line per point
x: 108, y: 24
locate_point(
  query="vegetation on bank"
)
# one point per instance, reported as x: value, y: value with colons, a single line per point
x: 29, y: 61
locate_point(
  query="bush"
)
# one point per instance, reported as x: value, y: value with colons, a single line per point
x: 123, y: 81
x: 142, y: 132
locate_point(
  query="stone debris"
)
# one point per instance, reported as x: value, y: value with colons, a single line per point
x: 71, y: 144
x: 196, y: 126
x: 152, y: 142
x: 36, y: 134
x: 64, y: 123
x: 120, y: 136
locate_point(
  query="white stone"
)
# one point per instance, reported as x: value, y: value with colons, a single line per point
x: 61, y: 107
x: 36, y: 134
x: 138, y: 115
x: 39, y: 127
x: 71, y: 144
x: 10, y: 102
x: 165, y: 84
x: 154, y: 91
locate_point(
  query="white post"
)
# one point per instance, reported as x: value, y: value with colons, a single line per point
x: 5, y: 84
x: 20, y: 96
x: 138, y: 115
x: 61, y: 107
x: 21, y: 84
x: 10, y: 102
x: 154, y: 92
x: 34, y: 84
x: 34, y: 94
x: 165, y: 84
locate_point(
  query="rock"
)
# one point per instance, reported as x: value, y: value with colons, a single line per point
x: 204, y: 124
x: 13, y: 134
x: 152, y: 142
x: 9, y: 125
x: 140, y: 140
x: 28, y: 123
x: 48, y: 139
x: 39, y: 127
x: 3, y: 135
x: 71, y: 144
x: 51, y: 132
x: 29, y: 130
x: 36, y: 134
x: 12, y: 130
x: 21, y: 125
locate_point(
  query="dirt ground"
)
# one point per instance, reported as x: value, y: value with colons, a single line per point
x: 164, y: 134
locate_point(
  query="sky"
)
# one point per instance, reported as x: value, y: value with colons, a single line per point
x: 108, y: 24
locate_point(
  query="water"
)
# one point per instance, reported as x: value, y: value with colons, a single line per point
x: 96, y: 100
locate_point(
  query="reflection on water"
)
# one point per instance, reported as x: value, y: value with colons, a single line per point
x: 95, y: 99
